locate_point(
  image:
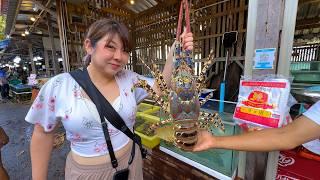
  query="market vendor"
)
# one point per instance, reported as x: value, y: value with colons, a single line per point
x: 4, y: 85
x: 303, y: 129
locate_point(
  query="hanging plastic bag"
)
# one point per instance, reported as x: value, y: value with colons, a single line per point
x: 263, y: 102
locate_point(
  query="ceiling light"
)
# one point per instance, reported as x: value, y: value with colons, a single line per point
x: 132, y: 2
x: 17, y: 59
x: 35, y: 8
x: 26, y: 32
x: 33, y: 19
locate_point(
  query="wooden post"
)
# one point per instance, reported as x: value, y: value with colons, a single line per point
x: 250, y: 43
x: 288, y: 27
x: 33, y: 67
x: 46, y: 61
x: 283, y: 68
x: 55, y: 64
x: 135, y: 67
x: 63, y: 37
x: 275, y: 24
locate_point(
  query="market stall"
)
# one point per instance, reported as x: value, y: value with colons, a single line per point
x: 165, y: 160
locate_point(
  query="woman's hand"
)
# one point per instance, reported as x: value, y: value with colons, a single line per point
x: 205, y: 141
x: 187, y: 40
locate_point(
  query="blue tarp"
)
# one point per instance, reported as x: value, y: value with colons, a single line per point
x: 4, y: 43
x: 2, y: 73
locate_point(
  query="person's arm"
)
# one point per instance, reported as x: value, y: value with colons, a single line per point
x: 40, y: 150
x: 187, y: 42
x: 298, y: 132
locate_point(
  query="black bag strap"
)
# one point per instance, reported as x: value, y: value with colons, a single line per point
x: 105, y: 109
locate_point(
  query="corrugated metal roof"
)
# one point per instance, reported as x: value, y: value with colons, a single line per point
x: 139, y: 5
x: 11, y: 14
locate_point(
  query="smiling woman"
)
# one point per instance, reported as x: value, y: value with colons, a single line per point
x: 111, y: 34
x: 62, y: 99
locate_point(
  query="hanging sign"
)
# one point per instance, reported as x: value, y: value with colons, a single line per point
x: 264, y: 58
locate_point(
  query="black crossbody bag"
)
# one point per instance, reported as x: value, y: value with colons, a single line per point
x: 106, y: 110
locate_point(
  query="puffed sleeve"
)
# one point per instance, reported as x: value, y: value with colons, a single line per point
x: 140, y: 93
x: 313, y: 113
x: 45, y: 109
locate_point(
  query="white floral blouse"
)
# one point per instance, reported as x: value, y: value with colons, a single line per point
x: 61, y: 99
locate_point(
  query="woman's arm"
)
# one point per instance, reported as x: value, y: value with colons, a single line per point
x: 298, y: 132
x: 40, y: 149
x: 167, y: 70
x: 187, y: 42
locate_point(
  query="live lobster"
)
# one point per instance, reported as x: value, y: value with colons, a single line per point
x: 181, y: 101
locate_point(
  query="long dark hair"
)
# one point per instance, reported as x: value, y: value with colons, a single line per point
x: 102, y: 27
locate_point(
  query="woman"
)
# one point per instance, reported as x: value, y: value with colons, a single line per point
x: 62, y: 99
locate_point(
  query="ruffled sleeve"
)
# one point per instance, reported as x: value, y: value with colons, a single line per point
x: 313, y: 113
x: 45, y: 109
x: 140, y: 93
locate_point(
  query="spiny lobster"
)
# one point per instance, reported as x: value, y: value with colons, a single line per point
x: 181, y: 102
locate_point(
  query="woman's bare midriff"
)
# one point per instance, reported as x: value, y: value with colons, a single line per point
x: 101, y: 159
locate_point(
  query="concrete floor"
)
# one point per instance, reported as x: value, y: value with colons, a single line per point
x: 16, y: 154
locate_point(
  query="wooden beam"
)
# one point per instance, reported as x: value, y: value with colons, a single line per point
x: 114, y: 11
x: 307, y: 1
x: 308, y: 23
x: 166, y: 2
x: 159, y: 6
x: 41, y: 6
x: 23, y: 22
x: 28, y: 12
x: 120, y: 6
x: 40, y: 16
x: 308, y: 26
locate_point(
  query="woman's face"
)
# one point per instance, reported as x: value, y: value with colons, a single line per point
x: 108, y: 55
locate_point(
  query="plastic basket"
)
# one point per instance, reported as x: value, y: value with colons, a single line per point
x: 20, y: 88
x: 144, y: 107
x: 154, y: 111
x: 15, y: 81
x: 147, y: 140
